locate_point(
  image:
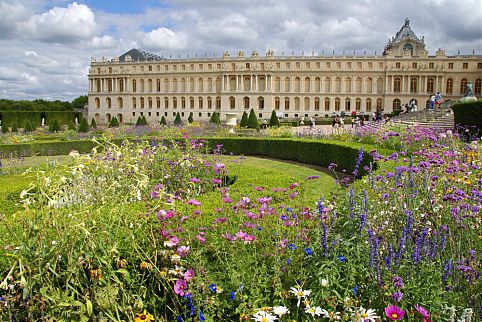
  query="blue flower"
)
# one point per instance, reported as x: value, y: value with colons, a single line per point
x: 213, y: 288
x: 284, y: 217
x: 232, y: 296
x: 289, y: 261
x: 308, y: 251
x: 355, y: 289
x: 341, y: 258
x: 292, y: 246
x: 259, y: 228
x: 201, y: 316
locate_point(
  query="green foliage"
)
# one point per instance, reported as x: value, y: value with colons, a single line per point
x: 215, y: 119
x: 54, y: 126
x: 177, y: 120
x: 71, y: 126
x: 113, y: 122
x: 80, y: 101
x: 29, y: 127
x: 84, y: 126
x: 274, y: 121
x: 253, y: 120
x: 14, y: 128
x: 93, y: 124
x: 141, y: 121
x: 244, y: 120
x: 35, y: 105
x: 190, y: 118
x: 468, y: 116
x: 5, y: 127
x: 163, y: 121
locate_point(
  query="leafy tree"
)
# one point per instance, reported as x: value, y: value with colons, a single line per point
x: 163, y: 120
x: 84, y: 126
x: 177, y: 120
x: 244, y: 120
x: 215, y: 119
x: 252, y: 120
x: 190, y: 119
x: 143, y: 120
x: 93, y: 124
x: 113, y: 122
x: 71, y: 126
x: 28, y: 126
x: 274, y: 121
x: 54, y: 126
x: 4, y: 128
x: 80, y: 101
x: 14, y: 128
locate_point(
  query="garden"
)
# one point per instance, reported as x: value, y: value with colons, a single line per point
x: 190, y: 223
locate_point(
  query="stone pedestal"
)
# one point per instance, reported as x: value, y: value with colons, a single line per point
x: 466, y: 99
x: 231, y: 121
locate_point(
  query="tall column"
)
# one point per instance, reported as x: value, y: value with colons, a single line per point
x: 386, y: 84
x: 250, y: 83
x: 265, y: 83
x: 222, y: 83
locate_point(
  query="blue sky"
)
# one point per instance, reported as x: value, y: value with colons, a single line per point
x: 46, y: 45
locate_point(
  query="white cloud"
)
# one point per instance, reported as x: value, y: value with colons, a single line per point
x: 10, y: 13
x: 164, y: 38
x: 103, y: 42
x: 232, y: 28
x: 61, y: 25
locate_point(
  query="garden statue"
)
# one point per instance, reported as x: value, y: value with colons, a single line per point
x: 469, y: 93
x: 43, y: 121
x: 76, y: 121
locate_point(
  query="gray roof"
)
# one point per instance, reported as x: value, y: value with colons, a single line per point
x: 405, y: 33
x: 139, y: 55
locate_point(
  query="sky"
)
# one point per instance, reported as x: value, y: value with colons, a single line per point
x: 46, y: 45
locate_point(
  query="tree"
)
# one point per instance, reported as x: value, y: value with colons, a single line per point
x: 141, y: 121
x: 4, y: 128
x: 84, y: 126
x: 274, y: 121
x: 80, y: 101
x: 93, y: 124
x: 71, y: 126
x: 177, y: 120
x: 190, y: 119
x: 113, y: 122
x: 28, y: 126
x: 215, y: 119
x: 163, y: 120
x: 252, y: 120
x: 14, y: 128
x: 244, y: 120
x: 54, y: 126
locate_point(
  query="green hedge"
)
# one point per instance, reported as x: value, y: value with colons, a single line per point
x: 35, y: 117
x: 315, y: 152
x: 469, y: 115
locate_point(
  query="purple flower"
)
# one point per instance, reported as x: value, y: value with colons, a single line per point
x: 180, y: 287
x: 397, y: 296
x: 193, y: 202
x: 397, y: 282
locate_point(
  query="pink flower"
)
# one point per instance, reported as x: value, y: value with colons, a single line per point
x: 216, y: 181
x: 248, y: 239
x: 189, y: 274
x: 219, y: 167
x: 174, y: 241
x: 220, y: 220
x: 259, y: 188
x: 423, y: 312
x: 183, y: 251
x: 228, y: 236
x: 183, y: 218
x: 180, y: 287
x: 193, y: 202
x: 240, y: 234
x: 227, y: 200
x: 164, y: 215
x: 195, y: 180
x: 294, y: 185
x: 201, y: 239
x: 197, y: 212
x: 293, y: 195
x: 394, y: 313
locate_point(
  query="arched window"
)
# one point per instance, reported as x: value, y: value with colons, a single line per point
x: 287, y: 103
x: 158, y: 102
x: 463, y: 83
x: 277, y: 85
x: 347, y: 104
x: 119, y: 117
x: 327, y: 84
x: 166, y: 102
x: 218, y: 103
x: 379, y: 85
x: 183, y: 102
x: 297, y: 84
x: 307, y: 103
x: 174, y: 102
x: 327, y: 103
x: 396, y: 105
x: 120, y: 102
x: 397, y: 85
x: 210, y: 102
x: 191, y: 100
x: 379, y: 104
x: 449, y: 86
x: 97, y: 118
x: 297, y: 103
x: 317, y: 88
x: 158, y: 85
x: 246, y: 102
x: 134, y: 102
x: 369, y: 86
x: 232, y: 83
x: 143, y: 89
x: 338, y: 85
x: 430, y: 85
x: 109, y: 85
x: 358, y: 85
x: 149, y: 85
x: 121, y: 85
x: 108, y: 102
x: 287, y: 84
x: 368, y: 105
x: 108, y: 117
x: 317, y: 103
x: 97, y: 102
x: 200, y: 85
x: 232, y: 102
x: 200, y: 102
x: 337, y: 104
x: 149, y: 102
x: 97, y: 87
x: 261, y: 102
x: 358, y: 104
x: 307, y: 84
x: 277, y: 103
x: 142, y: 102
x: 134, y: 86
x: 413, y: 85
x: 478, y: 86
x: 348, y: 85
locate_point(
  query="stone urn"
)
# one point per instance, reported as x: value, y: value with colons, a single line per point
x: 231, y: 121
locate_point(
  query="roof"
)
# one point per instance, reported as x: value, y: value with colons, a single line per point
x: 406, y: 33
x: 139, y: 55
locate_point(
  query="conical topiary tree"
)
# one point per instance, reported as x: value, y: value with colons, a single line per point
x: 139, y: 120
x: 54, y: 126
x: 84, y: 126
x: 143, y: 120
x: 215, y: 119
x: 190, y: 119
x: 5, y: 128
x: 71, y: 126
x: 177, y: 120
x: 244, y: 120
x: 163, y: 120
x: 252, y: 120
x: 113, y: 122
x: 93, y: 124
x: 14, y: 128
x: 28, y: 126
x: 274, y: 121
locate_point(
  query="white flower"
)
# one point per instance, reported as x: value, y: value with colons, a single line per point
x: 316, y: 311
x: 280, y: 310
x: 262, y: 316
x: 324, y: 282
x: 300, y: 293
x: 362, y: 315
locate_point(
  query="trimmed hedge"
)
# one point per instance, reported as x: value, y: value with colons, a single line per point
x: 469, y: 115
x: 35, y: 117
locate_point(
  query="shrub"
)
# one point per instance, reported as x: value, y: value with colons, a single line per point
x: 252, y: 120
x: 273, y: 121
x: 163, y: 121
x: 177, y: 120
x: 468, y: 118
x: 71, y: 126
x: 54, y: 126
x: 114, y: 122
x: 14, y: 128
x: 244, y: 120
x: 5, y: 128
x: 144, y: 120
x: 215, y: 119
x: 141, y: 121
x: 29, y: 126
x: 84, y: 126
x: 190, y: 119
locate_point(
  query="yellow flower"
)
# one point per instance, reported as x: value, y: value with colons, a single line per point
x: 145, y: 265
x: 143, y: 317
x: 95, y: 273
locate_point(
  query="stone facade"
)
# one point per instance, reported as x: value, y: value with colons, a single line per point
x: 139, y: 83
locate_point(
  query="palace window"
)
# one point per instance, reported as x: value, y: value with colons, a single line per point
x: 449, y: 86
x: 397, y: 85
x: 451, y: 65
x: 430, y: 85
x: 413, y: 85
x: 287, y: 103
x: 431, y: 65
x: 414, y: 65
x: 358, y: 105
x: 396, y: 105
x: 465, y: 65
x: 317, y: 103
x: 347, y: 104
x: 276, y: 103
x: 397, y: 65
x: 368, y: 105
x: 478, y: 86
x: 479, y: 65
x: 463, y: 83
x: 337, y: 104
x: 327, y: 103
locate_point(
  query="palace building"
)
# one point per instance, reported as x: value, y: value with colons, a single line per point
x: 139, y: 83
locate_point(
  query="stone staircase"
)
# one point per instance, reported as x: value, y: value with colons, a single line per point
x: 442, y: 119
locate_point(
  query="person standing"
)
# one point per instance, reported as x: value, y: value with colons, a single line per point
x: 432, y: 102
x: 312, y: 122
x: 438, y: 100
